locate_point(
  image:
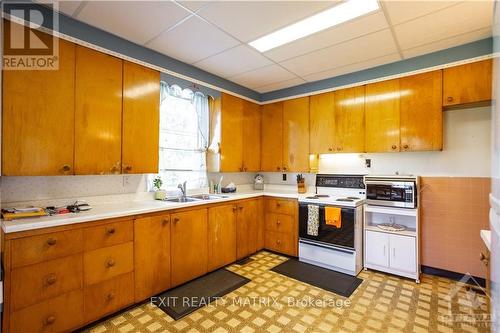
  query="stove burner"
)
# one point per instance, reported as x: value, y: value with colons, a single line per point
x: 345, y: 199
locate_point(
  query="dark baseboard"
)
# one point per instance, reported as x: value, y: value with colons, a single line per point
x: 452, y: 275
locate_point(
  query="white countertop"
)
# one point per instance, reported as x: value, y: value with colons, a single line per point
x: 486, y: 237
x: 128, y: 208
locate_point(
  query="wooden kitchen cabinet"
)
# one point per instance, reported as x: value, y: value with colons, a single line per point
x: 322, y: 123
x: 421, y: 119
x: 350, y: 120
x: 281, y: 225
x: 247, y: 226
x: 151, y: 255
x: 38, y: 118
x: 231, y: 145
x: 382, y: 114
x: 189, y: 247
x: 272, y: 137
x: 251, y: 136
x: 141, y: 119
x: 98, y: 113
x: 469, y: 83
x: 296, y: 135
x: 221, y: 235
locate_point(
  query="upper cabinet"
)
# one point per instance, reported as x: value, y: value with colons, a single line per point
x: 235, y: 129
x: 382, y: 116
x: 469, y: 83
x: 350, y: 120
x: 421, y: 115
x: 322, y: 123
x: 38, y: 118
x: 272, y: 137
x: 141, y: 116
x: 296, y: 135
x: 98, y: 113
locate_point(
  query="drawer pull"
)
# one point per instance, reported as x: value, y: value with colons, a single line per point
x: 449, y: 99
x: 278, y: 242
x: 51, y: 241
x: 110, y: 231
x: 165, y: 221
x: 278, y: 222
x: 50, y: 320
x: 235, y: 208
x: 50, y: 280
x: 176, y: 219
x: 110, y: 263
x: 278, y: 205
x: 110, y: 297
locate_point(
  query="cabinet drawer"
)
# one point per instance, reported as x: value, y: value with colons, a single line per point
x: 108, y: 234
x: 108, y: 262
x: 108, y: 296
x: 281, y: 242
x: 59, y: 314
x: 35, y: 283
x: 35, y: 249
x: 280, y: 206
x: 279, y: 223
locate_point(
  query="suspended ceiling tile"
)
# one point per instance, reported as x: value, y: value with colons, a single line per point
x: 68, y: 7
x: 280, y: 85
x: 357, y: 50
x: 234, y: 61
x: 353, y: 67
x: 456, y: 20
x: 194, y: 5
x: 263, y: 76
x: 192, y: 40
x: 248, y: 20
x: 348, y: 30
x: 402, y: 11
x: 448, y: 42
x: 137, y: 21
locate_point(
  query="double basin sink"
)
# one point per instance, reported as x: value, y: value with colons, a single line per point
x: 197, y: 197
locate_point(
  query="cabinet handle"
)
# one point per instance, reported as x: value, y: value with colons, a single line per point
x: 278, y: 222
x: 128, y: 168
x: 51, y: 241
x: 394, y: 252
x: 284, y: 168
x: 165, y: 222
x: 110, y: 297
x: 484, y: 258
x: 384, y: 250
x: 110, y: 263
x: 244, y: 168
x: 449, y: 99
x: 50, y: 320
x: 405, y: 146
x: 394, y: 147
x: 176, y: 219
x: 110, y: 231
x: 278, y: 205
x: 278, y: 168
x: 241, y: 169
x: 235, y: 209
x: 278, y: 242
x: 240, y: 207
x: 338, y: 148
x: 66, y: 168
x: 51, y: 279
x: 330, y: 149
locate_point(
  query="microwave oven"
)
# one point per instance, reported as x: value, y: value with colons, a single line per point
x: 392, y: 192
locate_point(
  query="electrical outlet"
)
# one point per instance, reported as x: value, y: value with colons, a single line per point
x: 126, y: 181
x: 284, y: 177
x: 368, y: 162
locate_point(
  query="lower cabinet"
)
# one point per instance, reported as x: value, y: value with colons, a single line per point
x: 152, y: 251
x: 392, y: 253
x: 281, y: 229
x: 221, y: 235
x: 247, y: 226
x: 189, y: 246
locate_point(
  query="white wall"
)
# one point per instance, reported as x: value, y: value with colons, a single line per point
x: 466, y: 152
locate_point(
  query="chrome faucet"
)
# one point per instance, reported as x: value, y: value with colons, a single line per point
x: 182, y: 187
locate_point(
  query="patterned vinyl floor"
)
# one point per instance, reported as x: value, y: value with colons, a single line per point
x: 274, y: 303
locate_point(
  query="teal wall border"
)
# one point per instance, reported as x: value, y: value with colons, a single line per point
x: 77, y: 29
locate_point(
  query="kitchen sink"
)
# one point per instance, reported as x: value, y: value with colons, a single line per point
x: 181, y: 199
x: 207, y: 197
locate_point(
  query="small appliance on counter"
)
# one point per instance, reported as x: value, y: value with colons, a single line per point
x: 258, y: 182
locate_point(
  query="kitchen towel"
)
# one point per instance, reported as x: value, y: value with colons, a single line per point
x: 312, y: 220
x: 333, y: 216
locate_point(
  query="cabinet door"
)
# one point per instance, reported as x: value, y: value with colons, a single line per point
x: 467, y: 83
x: 251, y: 137
x: 322, y: 123
x: 421, y: 112
x: 296, y: 135
x: 151, y: 255
x: 141, y: 117
x: 38, y: 118
x: 272, y: 137
x: 189, y: 247
x: 382, y: 116
x: 350, y: 120
x: 231, y: 149
x: 221, y: 236
x: 98, y: 113
x: 402, y: 255
x: 247, y: 228
x: 377, y: 248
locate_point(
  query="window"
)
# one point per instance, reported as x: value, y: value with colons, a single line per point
x: 183, y: 137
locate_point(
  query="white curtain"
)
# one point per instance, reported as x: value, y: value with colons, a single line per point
x: 184, y: 127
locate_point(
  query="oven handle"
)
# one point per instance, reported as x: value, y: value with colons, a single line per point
x: 326, y: 246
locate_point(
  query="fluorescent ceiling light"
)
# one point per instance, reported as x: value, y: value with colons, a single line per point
x: 321, y: 21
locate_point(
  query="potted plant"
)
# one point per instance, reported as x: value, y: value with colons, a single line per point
x: 159, y: 193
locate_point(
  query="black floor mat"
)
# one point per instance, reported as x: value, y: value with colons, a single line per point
x: 188, y: 297
x: 244, y: 261
x: 338, y: 283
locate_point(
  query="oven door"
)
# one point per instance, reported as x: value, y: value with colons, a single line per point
x: 329, y: 235
x: 396, y: 194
